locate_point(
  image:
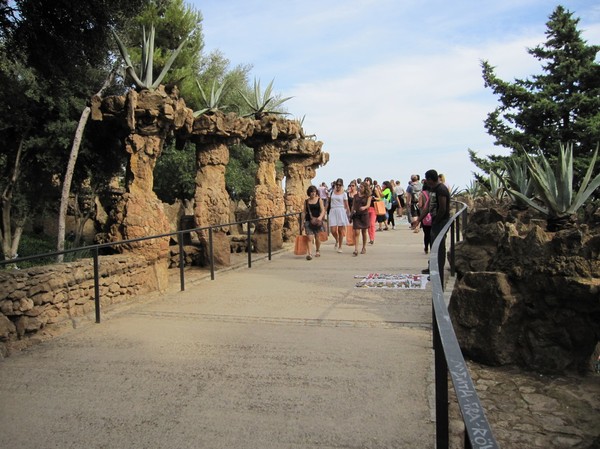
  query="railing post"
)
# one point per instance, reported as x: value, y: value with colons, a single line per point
x: 210, y: 254
x: 269, y: 236
x: 181, y: 261
x: 442, y: 433
x: 452, y: 242
x: 96, y: 285
x: 249, y: 246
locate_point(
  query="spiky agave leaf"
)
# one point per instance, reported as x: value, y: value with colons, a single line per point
x: 517, y: 179
x: 128, y: 64
x: 496, y: 190
x: 170, y: 62
x: 144, y: 80
x: 554, y: 188
x: 215, y: 98
x: 263, y: 103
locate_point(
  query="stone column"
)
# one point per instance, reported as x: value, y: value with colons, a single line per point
x: 268, y: 197
x: 150, y: 116
x: 297, y: 181
x: 300, y: 159
x: 212, y: 202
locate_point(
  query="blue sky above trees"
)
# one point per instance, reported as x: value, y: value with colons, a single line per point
x: 391, y: 87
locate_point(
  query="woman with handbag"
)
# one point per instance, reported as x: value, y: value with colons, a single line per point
x: 314, y: 211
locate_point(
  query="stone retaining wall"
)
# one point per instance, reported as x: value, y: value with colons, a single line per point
x: 41, y: 297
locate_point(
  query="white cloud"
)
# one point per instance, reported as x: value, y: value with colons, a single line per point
x: 391, y: 87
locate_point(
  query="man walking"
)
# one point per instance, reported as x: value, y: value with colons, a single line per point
x: 439, y: 208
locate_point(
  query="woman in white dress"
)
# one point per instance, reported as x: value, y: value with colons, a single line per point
x: 338, y: 214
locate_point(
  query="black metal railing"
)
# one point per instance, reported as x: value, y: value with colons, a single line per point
x: 95, y: 250
x: 448, y: 356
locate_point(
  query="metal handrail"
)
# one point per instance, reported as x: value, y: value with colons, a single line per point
x: 448, y: 356
x: 95, y: 250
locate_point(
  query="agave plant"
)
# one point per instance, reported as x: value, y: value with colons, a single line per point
x: 211, y: 104
x: 300, y: 120
x: 554, y: 187
x: 262, y: 104
x: 145, y: 78
x: 517, y: 179
x: 496, y: 190
x: 472, y: 190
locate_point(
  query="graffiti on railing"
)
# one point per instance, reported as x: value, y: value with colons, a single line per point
x: 474, y: 418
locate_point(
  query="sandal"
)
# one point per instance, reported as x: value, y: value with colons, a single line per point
x: 355, y: 253
x: 309, y: 257
x: 363, y: 251
x: 317, y: 254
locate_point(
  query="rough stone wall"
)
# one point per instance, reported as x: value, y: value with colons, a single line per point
x: 526, y: 296
x: 41, y: 297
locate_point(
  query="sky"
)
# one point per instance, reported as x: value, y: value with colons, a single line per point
x: 391, y: 87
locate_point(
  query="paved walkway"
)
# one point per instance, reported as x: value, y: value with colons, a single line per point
x: 287, y: 354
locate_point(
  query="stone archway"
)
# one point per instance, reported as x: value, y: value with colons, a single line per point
x: 152, y: 116
x: 271, y: 133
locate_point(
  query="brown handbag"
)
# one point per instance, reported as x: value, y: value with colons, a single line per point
x: 379, y: 207
x: 349, y: 235
x: 301, y: 245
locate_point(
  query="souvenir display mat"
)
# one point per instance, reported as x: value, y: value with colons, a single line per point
x: 392, y: 281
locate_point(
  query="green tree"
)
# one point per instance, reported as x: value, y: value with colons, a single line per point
x: 560, y: 105
x: 64, y: 49
x: 175, y: 173
x: 240, y: 173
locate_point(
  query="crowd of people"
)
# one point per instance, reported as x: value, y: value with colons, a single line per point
x: 363, y: 208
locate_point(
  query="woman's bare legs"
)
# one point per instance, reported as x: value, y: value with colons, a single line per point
x: 311, y: 239
x: 317, y: 246
x: 340, y: 237
x: 364, y: 241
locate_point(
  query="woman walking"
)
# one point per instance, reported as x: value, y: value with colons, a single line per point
x: 361, y: 206
x: 338, y: 214
x: 388, y: 197
x: 352, y: 190
x: 372, y: 214
x: 314, y: 214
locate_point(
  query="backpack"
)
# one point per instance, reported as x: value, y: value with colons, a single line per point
x: 415, y: 191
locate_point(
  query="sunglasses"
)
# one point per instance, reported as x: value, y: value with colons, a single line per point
x: 340, y: 185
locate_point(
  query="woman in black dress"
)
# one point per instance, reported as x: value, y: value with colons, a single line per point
x: 360, y: 216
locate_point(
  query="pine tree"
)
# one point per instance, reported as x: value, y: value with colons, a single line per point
x: 562, y: 105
